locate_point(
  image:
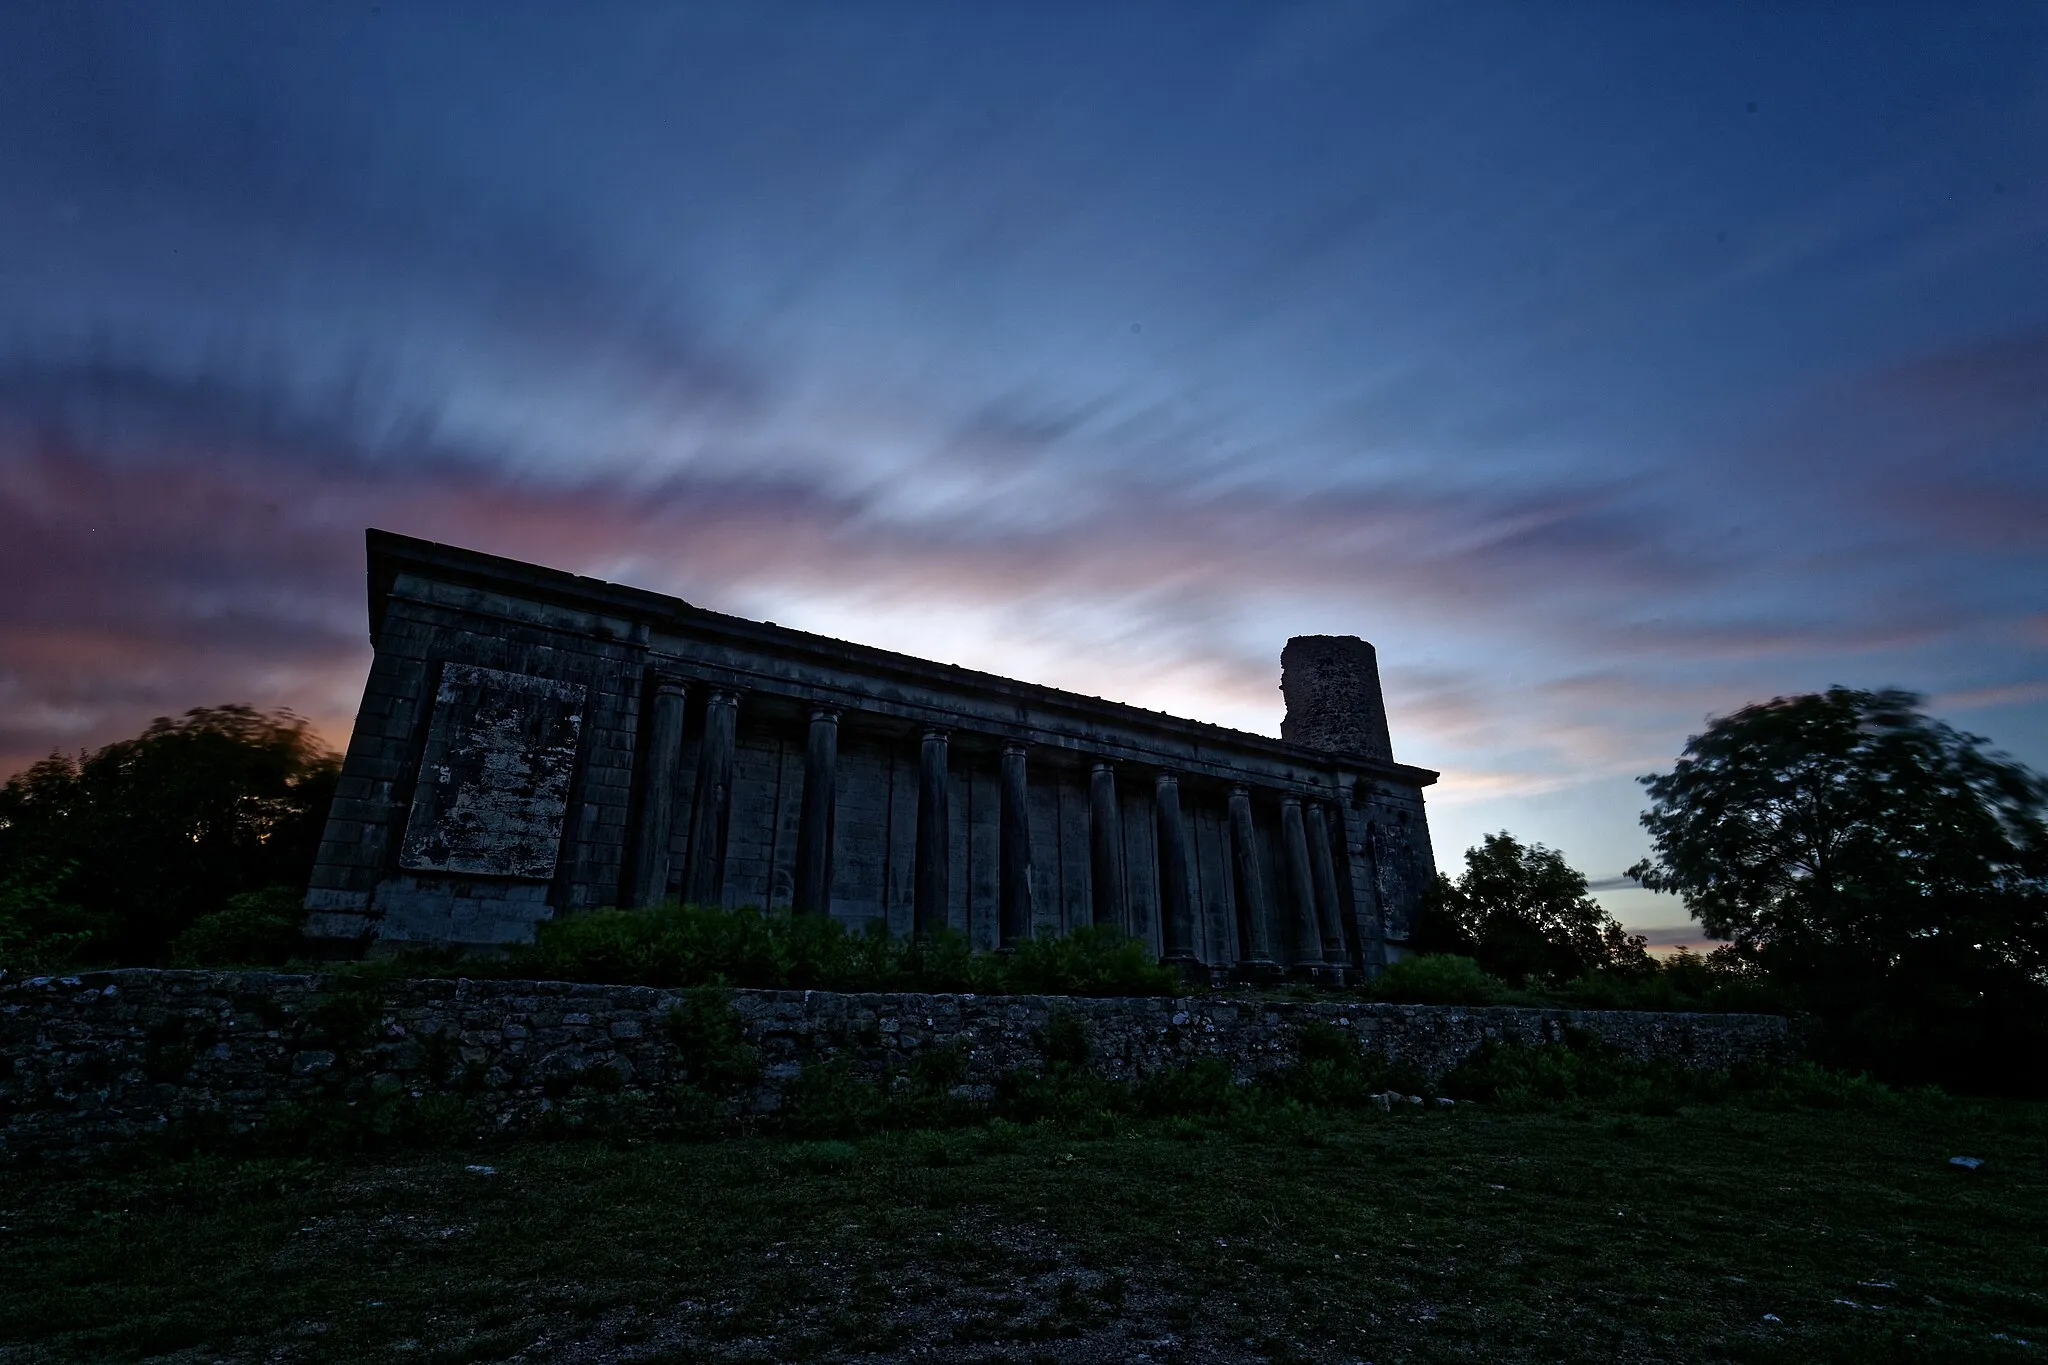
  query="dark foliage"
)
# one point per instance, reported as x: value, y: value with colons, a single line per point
x: 711, y: 1043
x: 112, y: 856
x: 1887, y: 870
x: 1721, y: 982
x: 1522, y: 913
x: 40, y: 926
x: 678, y: 945
x: 254, y: 929
x: 1439, y: 979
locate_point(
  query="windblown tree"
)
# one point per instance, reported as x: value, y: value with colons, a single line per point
x: 111, y: 856
x: 1522, y: 912
x: 1892, y: 868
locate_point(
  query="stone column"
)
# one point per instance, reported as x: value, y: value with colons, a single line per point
x: 1301, y: 886
x: 1255, y: 953
x: 1329, y: 905
x: 814, y: 831
x: 705, y: 884
x: 1106, y: 848
x: 658, y: 793
x: 1176, y: 912
x: 1013, y: 864
x: 934, y: 838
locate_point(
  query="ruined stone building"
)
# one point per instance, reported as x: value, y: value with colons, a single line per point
x: 532, y: 743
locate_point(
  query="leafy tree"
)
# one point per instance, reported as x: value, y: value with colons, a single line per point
x: 1523, y: 914
x: 133, y: 844
x: 1891, y: 868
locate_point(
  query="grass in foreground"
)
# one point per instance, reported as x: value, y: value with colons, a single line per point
x: 1716, y: 1233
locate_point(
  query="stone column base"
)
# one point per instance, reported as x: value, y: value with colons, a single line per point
x: 1265, y: 973
x: 1319, y: 974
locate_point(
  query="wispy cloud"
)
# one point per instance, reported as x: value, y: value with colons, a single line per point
x: 1608, y: 374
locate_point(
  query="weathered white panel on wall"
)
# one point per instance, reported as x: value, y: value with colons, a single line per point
x: 494, y: 780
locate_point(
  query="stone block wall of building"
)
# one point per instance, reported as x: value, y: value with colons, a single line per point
x: 91, y: 1062
x: 532, y: 744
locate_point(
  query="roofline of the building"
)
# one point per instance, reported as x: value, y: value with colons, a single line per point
x: 390, y: 553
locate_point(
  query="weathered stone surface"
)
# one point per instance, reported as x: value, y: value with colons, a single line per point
x: 1332, y: 686
x: 494, y: 779
x: 93, y: 1061
x: 528, y: 739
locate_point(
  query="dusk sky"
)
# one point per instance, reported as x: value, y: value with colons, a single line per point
x: 1607, y: 366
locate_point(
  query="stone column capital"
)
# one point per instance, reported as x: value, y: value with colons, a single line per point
x: 670, y: 685
x: 724, y: 696
x: 937, y: 732
x: 1290, y: 799
x: 1102, y: 765
x: 1240, y: 792
x: 825, y: 713
x: 1014, y: 748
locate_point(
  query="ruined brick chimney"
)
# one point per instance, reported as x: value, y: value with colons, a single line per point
x: 1332, y: 687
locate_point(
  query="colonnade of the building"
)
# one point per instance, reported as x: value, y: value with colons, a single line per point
x: 1308, y: 876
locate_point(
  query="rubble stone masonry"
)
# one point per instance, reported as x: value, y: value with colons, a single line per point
x: 97, y: 1061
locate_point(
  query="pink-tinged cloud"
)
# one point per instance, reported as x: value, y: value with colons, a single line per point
x: 193, y: 543
x: 1987, y: 698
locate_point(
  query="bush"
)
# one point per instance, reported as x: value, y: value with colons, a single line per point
x: 1717, y: 983
x: 711, y: 1044
x: 668, y: 946
x: 40, y: 930
x: 827, y: 1100
x: 255, y: 929
x: 1204, y: 1088
x: 1092, y: 960
x: 1805, y: 1085
x: 1071, y: 1096
x: 385, y: 1118
x: 1438, y: 979
x: 1525, y: 1077
x: 1583, y: 1071
x: 676, y: 945
x: 1065, y: 1038
x: 1331, y: 1071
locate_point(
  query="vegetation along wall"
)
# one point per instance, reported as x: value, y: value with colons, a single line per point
x: 102, y: 1059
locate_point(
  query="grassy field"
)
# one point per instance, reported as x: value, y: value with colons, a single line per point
x: 1717, y: 1233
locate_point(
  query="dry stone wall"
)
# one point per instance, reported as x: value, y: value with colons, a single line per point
x: 93, y: 1062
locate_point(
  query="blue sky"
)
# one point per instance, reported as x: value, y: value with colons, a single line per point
x: 1607, y: 366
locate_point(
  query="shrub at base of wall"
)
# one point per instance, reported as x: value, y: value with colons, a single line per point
x: 107, y: 1060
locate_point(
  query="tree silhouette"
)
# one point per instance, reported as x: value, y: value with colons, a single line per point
x: 134, y: 843
x: 1523, y: 913
x: 1891, y: 867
